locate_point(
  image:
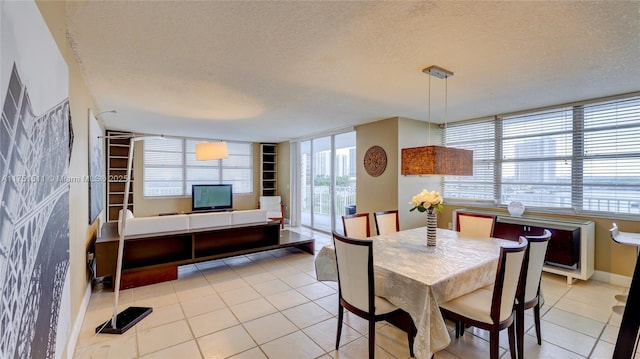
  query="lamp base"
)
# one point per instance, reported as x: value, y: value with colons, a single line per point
x: 124, y: 320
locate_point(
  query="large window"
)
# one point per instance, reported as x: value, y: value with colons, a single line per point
x: 584, y: 157
x: 170, y: 167
x: 478, y: 136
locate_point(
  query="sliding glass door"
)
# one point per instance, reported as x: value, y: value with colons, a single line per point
x: 344, y: 193
x: 327, y: 175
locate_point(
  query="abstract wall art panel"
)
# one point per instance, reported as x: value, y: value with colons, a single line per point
x: 96, y: 169
x: 34, y: 207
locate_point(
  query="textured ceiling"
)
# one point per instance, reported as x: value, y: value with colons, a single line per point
x: 272, y: 71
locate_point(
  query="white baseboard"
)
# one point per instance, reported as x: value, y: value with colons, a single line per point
x: 612, y: 278
x: 77, y: 326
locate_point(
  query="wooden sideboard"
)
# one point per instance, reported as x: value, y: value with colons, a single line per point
x: 155, y: 257
x: 571, y: 248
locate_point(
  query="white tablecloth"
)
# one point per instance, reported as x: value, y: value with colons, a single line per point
x: 416, y: 278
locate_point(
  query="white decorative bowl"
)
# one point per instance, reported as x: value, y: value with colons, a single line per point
x: 516, y: 209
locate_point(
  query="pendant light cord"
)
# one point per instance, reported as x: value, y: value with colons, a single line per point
x: 446, y: 108
x: 429, y: 114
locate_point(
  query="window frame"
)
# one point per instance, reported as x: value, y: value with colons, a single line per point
x: 219, y: 167
x: 577, y: 153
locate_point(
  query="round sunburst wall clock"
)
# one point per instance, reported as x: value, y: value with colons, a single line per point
x: 375, y: 161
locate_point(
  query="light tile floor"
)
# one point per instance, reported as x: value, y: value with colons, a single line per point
x: 269, y: 305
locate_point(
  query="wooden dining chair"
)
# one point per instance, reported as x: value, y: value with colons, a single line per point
x: 356, y: 225
x: 475, y: 225
x: 529, y: 292
x: 492, y: 310
x: 356, y: 290
x: 386, y: 221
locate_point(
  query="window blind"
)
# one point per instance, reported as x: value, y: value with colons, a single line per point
x: 584, y: 156
x: 163, y: 167
x: 480, y: 138
x: 536, y: 162
x: 611, y: 174
x: 237, y: 169
x: 171, y: 168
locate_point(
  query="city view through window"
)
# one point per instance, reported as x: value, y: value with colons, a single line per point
x: 322, y: 198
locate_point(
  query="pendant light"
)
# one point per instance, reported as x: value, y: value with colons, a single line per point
x: 437, y: 160
x: 211, y: 151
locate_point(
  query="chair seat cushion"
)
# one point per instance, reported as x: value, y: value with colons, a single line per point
x: 273, y: 214
x: 383, y: 306
x: 475, y: 305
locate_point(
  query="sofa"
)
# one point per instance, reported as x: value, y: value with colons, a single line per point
x: 187, y: 222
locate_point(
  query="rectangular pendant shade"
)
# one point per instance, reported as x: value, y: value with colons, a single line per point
x: 211, y: 151
x: 437, y: 160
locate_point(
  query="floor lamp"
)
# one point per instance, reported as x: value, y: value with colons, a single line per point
x: 123, y: 321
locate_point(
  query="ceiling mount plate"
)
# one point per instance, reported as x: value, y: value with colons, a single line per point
x: 437, y: 71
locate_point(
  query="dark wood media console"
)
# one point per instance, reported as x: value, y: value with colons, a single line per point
x: 571, y: 248
x: 155, y: 257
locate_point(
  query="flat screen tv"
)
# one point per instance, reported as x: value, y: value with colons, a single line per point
x: 211, y: 197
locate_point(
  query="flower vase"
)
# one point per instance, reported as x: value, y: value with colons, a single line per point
x: 432, y: 225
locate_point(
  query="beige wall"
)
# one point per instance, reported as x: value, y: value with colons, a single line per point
x: 382, y: 133
x: 80, y: 102
x: 392, y: 190
x: 284, y: 175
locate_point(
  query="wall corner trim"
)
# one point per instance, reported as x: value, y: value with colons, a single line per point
x: 77, y: 326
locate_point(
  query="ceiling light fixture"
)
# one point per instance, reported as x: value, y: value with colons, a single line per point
x: 437, y: 160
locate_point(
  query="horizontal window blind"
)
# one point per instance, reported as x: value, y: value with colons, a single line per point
x: 199, y: 172
x: 163, y: 167
x: 536, y: 162
x: 237, y: 169
x: 171, y: 168
x: 584, y: 156
x: 480, y: 138
x: 611, y: 155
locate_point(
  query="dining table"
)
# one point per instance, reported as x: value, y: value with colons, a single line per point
x: 416, y: 277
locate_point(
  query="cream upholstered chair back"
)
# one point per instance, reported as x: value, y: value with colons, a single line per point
x: 271, y: 204
x: 508, y: 278
x: 537, y: 251
x: 386, y: 221
x: 356, y: 225
x: 475, y: 225
x: 354, y: 259
x: 356, y: 290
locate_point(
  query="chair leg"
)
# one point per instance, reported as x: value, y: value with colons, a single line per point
x: 536, y: 319
x: 339, y: 331
x: 512, y: 342
x: 494, y: 341
x: 457, y: 329
x: 411, y: 333
x: 372, y: 338
x: 463, y: 326
x: 520, y: 330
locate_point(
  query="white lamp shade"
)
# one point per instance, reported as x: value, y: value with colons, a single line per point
x: 211, y: 151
